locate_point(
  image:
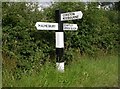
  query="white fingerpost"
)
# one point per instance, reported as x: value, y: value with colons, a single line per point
x: 59, y: 27
x: 59, y: 42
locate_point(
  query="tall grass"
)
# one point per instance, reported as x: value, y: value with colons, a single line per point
x: 87, y: 72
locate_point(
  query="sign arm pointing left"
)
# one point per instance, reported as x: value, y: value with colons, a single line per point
x: 46, y: 26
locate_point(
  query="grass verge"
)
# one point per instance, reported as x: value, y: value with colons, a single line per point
x: 86, y: 72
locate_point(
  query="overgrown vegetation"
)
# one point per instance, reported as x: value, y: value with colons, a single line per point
x: 85, y: 72
x: 25, y: 49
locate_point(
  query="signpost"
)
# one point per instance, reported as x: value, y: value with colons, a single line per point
x: 59, y: 27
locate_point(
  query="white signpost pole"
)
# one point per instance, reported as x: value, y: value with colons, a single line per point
x: 59, y: 42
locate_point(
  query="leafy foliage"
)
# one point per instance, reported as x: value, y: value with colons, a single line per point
x: 98, y: 31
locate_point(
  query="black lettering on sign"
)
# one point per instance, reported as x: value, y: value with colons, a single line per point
x: 49, y: 25
x: 64, y: 18
x: 75, y: 16
x: 73, y: 13
x: 67, y: 28
x: 41, y: 25
x: 69, y: 17
x: 53, y: 26
x: 46, y: 25
x: 38, y: 25
x: 68, y: 14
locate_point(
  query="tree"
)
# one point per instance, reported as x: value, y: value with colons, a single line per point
x: 19, y: 43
